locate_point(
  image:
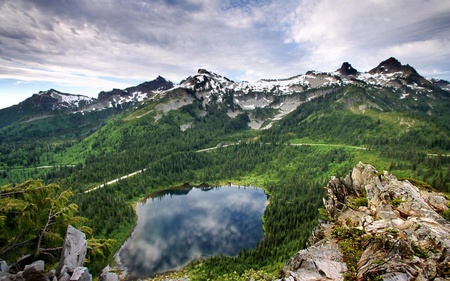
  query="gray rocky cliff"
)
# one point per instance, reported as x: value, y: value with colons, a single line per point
x: 380, y: 228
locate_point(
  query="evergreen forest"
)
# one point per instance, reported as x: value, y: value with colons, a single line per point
x: 61, y: 159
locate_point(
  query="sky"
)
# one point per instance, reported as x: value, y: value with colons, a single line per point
x: 86, y: 46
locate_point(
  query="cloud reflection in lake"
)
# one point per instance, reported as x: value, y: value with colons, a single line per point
x: 174, y: 229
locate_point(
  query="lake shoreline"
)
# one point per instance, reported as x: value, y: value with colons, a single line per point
x: 127, y: 274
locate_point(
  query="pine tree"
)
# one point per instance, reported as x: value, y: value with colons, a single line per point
x: 33, y: 221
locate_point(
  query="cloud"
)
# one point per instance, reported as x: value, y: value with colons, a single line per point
x: 243, y: 39
x: 367, y: 32
x: 116, y: 37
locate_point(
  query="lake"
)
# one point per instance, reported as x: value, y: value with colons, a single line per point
x: 176, y: 227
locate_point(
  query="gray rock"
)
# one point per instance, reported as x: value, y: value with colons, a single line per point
x: 3, y: 266
x: 81, y: 274
x: 19, y: 276
x: 106, y: 269
x: 74, y: 250
x: 362, y: 174
x: 35, y: 272
x: 108, y: 276
x: 354, y: 185
x: 405, y: 237
x: 395, y: 276
x: 437, y: 202
x: 386, y: 215
x: 315, y: 263
x: 5, y: 276
x: 38, y: 265
x: 64, y: 277
x: 51, y: 274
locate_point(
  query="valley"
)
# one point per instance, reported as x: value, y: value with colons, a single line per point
x: 311, y: 127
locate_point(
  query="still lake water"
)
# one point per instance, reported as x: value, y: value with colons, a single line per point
x: 176, y: 227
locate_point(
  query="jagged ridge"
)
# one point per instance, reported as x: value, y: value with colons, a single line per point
x: 284, y: 95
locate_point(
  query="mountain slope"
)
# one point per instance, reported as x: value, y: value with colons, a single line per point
x: 385, y: 107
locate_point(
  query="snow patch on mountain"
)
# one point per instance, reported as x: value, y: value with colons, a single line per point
x: 283, y: 94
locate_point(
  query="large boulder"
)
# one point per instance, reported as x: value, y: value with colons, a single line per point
x: 35, y: 272
x: 323, y: 261
x: 74, y: 251
x: 109, y: 276
x: 3, y: 266
x: 81, y: 274
x: 68, y: 269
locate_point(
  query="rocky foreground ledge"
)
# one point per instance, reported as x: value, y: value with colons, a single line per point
x: 379, y: 228
x: 70, y: 266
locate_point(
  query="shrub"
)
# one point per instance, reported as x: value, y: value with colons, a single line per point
x: 355, y: 203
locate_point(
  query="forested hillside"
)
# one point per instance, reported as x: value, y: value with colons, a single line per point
x: 187, y: 138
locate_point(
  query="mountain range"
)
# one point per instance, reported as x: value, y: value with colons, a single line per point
x: 281, y: 94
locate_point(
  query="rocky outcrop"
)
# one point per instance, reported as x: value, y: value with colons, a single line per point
x: 3, y: 266
x: 392, y: 65
x: 380, y: 227
x: 69, y: 268
x: 323, y: 260
x: 31, y: 272
x: 347, y: 69
x: 74, y: 251
x: 35, y: 271
x: 442, y: 84
x: 108, y: 276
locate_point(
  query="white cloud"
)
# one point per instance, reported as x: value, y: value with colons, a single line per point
x: 366, y: 32
x: 79, y: 42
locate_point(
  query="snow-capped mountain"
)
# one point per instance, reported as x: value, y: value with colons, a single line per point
x: 131, y: 95
x: 390, y: 80
x: 390, y: 73
x: 401, y: 81
x: 50, y: 102
x: 248, y: 95
x: 55, y: 100
x: 442, y: 84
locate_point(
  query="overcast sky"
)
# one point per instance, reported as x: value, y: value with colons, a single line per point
x: 85, y: 46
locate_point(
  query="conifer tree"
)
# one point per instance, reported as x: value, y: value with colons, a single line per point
x: 33, y: 221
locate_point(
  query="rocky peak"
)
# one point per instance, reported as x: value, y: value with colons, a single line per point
x: 40, y: 102
x: 206, y: 80
x: 51, y: 100
x: 49, y: 92
x: 211, y: 75
x: 158, y: 84
x: 393, y: 66
x: 204, y: 71
x: 131, y: 95
x: 380, y: 227
x: 105, y: 95
x: 347, y: 69
x: 442, y: 84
